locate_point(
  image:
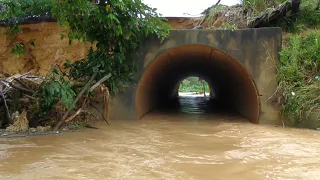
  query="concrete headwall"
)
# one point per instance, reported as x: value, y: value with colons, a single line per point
x: 256, y: 49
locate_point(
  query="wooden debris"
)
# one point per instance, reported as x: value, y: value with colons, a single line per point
x: 84, y: 89
x: 21, y: 122
x: 7, y: 112
x: 17, y: 92
x: 270, y: 16
x: 106, y: 102
x: 74, y: 115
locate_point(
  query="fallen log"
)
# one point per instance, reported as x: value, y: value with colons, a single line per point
x: 270, y: 16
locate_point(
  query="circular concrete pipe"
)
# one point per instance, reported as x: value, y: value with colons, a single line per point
x: 231, y: 83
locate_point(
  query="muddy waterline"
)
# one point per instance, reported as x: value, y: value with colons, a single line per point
x: 169, y: 146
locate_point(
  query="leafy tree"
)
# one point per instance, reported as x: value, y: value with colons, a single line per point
x: 118, y: 27
x: 115, y: 28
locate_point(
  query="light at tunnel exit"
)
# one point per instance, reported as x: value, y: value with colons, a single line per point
x: 194, y: 86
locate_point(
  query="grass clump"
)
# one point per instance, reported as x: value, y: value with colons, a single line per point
x: 256, y: 7
x: 299, y: 76
x: 226, y: 17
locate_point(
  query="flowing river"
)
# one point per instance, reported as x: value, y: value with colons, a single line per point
x: 172, y: 146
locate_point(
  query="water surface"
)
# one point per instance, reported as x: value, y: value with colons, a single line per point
x: 186, y: 145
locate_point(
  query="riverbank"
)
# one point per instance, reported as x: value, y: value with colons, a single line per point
x: 47, y: 131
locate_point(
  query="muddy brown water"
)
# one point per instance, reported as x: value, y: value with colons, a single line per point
x: 189, y: 144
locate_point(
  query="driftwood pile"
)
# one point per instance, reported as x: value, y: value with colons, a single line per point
x: 16, y: 94
x: 19, y: 107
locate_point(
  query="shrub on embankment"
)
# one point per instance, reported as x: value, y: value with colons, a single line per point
x: 298, y: 76
x: 299, y: 67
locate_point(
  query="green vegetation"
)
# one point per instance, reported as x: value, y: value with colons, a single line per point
x: 298, y: 76
x: 115, y: 29
x: 299, y: 69
x: 13, y: 10
x: 256, y: 7
x: 192, y: 84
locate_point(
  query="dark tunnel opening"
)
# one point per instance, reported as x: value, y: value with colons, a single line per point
x: 228, y: 80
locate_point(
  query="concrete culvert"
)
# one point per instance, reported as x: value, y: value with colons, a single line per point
x: 231, y: 83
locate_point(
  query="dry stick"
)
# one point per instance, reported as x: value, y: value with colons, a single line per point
x: 22, y: 84
x: 207, y: 14
x: 100, y: 113
x: 100, y: 82
x: 96, y: 85
x: 74, y: 115
x: 91, y: 115
x: 5, y: 105
x: 30, y: 97
x: 84, y: 89
x: 17, y: 87
x: 25, y: 74
x: 22, y: 89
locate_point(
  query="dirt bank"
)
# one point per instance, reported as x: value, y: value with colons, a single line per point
x: 48, y: 49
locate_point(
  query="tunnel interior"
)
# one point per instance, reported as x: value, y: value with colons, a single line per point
x: 229, y: 82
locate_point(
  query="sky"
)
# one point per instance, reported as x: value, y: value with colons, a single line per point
x: 179, y: 8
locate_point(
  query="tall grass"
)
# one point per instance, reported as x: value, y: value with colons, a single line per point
x: 299, y: 76
x: 259, y: 6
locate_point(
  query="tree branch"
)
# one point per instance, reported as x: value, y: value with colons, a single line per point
x: 74, y: 115
x: 17, y: 87
x: 100, y: 82
x: 84, y: 89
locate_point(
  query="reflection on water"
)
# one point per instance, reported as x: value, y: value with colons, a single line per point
x: 167, y: 146
x: 196, y: 105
